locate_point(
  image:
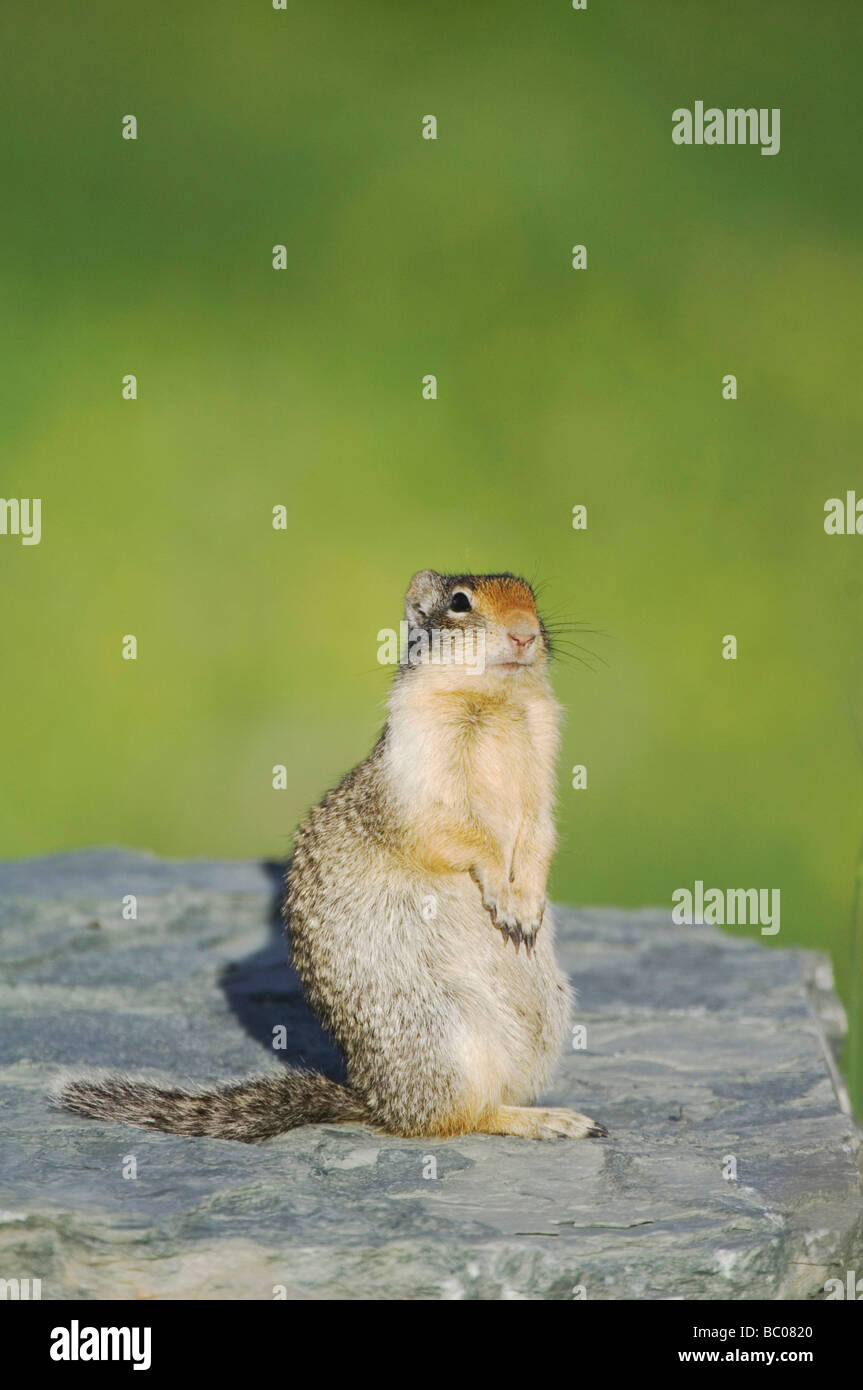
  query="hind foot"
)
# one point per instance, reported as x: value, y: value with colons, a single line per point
x: 533, y: 1122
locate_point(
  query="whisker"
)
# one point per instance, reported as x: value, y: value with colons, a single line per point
x: 570, y: 650
x: 580, y: 628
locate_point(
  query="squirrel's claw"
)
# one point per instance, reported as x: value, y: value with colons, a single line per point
x: 512, y: 930
x: 510, y: 934
x: 518, y: 936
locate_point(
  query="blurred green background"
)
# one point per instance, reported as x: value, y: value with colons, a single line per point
x: 556, y: 387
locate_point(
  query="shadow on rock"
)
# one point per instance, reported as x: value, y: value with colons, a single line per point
x: 264, y: 993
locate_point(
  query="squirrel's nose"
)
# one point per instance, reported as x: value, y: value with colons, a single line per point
x: 522, y: 629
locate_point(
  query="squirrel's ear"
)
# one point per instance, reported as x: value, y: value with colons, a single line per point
x: 425, y: 592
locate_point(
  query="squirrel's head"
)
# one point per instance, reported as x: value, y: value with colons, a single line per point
x: 470, y: 626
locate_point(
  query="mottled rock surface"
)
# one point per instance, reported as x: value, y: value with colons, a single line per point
x: 701, y: 1046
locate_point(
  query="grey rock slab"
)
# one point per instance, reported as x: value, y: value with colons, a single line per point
x: 701, y: 1048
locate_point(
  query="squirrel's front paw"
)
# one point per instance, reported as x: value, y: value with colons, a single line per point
x: 520, y: 923
x: 516, y: 917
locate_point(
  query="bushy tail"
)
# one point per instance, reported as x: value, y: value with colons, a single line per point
x: 249, y: 1111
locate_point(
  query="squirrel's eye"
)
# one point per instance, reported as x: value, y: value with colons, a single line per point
x: 460, y: 603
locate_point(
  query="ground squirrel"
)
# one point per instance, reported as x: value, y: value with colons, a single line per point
x: 412, y: 889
